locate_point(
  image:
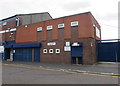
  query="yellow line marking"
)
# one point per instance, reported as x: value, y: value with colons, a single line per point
x: 67, y: 71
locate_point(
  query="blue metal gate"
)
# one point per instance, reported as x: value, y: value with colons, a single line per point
x: 108, y: 52
x: 36, y: 54
x: 23, y: 54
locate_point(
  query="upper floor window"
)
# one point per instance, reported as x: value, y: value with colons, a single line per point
x: 75, y: 23
x: 97, y: 32
x: 39, y: 29
x: 61, y: 25
x: 4, y: 23
x: 49, y: 27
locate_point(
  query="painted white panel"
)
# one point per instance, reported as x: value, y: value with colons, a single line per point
x: 1, y: 49
x: 2, y: 31
x: 14, y: 29
x: 75, y: 44
x: 7, y: 31
x: 67, y: 48
x: 67, y: 43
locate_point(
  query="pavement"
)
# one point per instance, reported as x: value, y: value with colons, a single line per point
x: 103, y: 68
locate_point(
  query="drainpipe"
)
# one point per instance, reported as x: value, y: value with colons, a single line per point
x: 18, y: 22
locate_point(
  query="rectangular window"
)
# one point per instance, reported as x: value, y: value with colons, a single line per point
x: 97, y: 32
x: 4, y: 23
x: 61, y: 25
x: 50, y: 50
x: 49, y: 27
x: 75, y: 23
x: 39, y: 29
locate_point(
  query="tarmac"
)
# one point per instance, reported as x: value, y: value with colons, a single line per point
x: 101, y: 68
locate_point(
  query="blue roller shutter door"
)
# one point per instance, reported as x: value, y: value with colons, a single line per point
x: 36, y: 54
x: 23, y: 54
x: 76, y: 53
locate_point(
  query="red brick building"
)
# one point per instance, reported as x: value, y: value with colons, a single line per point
x: 66, y: 40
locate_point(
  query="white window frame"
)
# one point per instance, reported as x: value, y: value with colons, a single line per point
x: 57, y: 50
x: 97, y: 32
x: 73, y: 23
x: 61, y: 25
x: 4, y: 23
x: 7, y: 31
x: 39, y: 29
x: 50, y: 27
x: 2, y: 31
x: 14, y: 29
x: 51, y: 51
x: 44, y: 50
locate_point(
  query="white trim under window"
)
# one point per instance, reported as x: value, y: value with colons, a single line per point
x: 50, y: 50
x: 74, y: 23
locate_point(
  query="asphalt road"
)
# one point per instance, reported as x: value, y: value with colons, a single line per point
x: 24, y: 75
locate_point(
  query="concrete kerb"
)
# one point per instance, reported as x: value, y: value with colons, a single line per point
x: 64, y: 70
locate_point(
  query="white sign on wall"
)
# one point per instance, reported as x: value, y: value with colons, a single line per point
x: 51, y: 43
x: 75, y: 44
x: 67, y: 48
x: 1, y: 49
x: 67, y: 43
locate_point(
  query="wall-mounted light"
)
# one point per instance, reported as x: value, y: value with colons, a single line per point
x: 11, y: 33
x: 26, y: 26
x: 10, y: 36
x: 91, y: 44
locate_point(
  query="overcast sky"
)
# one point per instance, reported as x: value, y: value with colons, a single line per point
x: 105, y: 11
